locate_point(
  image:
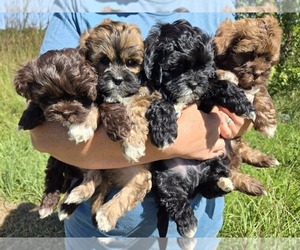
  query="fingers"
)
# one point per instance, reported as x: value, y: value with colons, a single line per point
x: 232, y: 125
x: 228, y: 128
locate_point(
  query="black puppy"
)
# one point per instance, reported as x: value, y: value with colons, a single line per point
x: 179, y: 63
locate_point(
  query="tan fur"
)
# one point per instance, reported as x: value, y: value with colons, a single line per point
x: 102, y: 39
x: 248, y: 48
x: 135, y: 183
x: 125, y: 122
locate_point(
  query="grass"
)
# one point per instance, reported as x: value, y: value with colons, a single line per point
x: 275, y: 215
x: 21, y: 167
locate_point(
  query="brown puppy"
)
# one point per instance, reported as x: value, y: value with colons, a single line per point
x: 116, y: 51
x: 71, y: 86
x: 249, y: 48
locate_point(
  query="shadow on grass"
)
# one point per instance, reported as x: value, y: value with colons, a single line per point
x: 24, y: 221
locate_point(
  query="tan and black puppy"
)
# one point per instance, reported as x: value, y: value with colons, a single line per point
x: 115, y: 50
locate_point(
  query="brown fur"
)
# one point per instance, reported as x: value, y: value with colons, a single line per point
x: 249, y: 48
x: 106, y: 45
x: 59, y: 81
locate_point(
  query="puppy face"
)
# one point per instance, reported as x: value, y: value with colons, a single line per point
x: 116, y: 51
x: 61, y: 82
x: 249, y: 48
x: 178, y: 61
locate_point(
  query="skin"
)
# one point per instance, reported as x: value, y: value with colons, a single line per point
x: 198, y: 138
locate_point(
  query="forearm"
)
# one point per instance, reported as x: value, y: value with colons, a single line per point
x: 198, y: 138
x: 97, y: 153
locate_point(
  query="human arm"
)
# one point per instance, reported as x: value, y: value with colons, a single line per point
x: 198, y: 137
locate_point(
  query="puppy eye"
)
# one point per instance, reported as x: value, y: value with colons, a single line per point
x: 104, y: 61
x: 131, y: 63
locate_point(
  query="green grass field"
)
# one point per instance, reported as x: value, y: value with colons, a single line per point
x: 275, y: 215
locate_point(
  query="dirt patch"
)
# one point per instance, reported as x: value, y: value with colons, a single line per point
x: 22, y: 220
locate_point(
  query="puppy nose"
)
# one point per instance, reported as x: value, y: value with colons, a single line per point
x: 118, y: 80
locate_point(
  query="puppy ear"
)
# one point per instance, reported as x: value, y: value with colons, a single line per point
x: 153, y: 70
x: 274, y: 32
x: 224, y: 37
x: 24, y: 80
x: 85, y: 35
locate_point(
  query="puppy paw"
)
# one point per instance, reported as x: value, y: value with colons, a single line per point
x: 251, y: 115
x: 187, y: 244
x: 265, y: 161
x: 103, y: 223
x: 63, y: 215
x: 162, y: 118
x: 268, y: 131
x: 225, y: 184
x: 65, y: 211
x: 45, y: 212
x: 251, y: 186
x: 77, y: 196
x: 134, y: 153
x: 187, y: 229
x: 80, y: 133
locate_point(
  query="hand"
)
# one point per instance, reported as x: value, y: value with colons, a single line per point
x: 198, y: 135
x: 231, y: 125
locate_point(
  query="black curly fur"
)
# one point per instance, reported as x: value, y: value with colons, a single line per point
x: 162, y: 123
x: 176, y: 181
x: 179, y: 63
x: 58, y: 180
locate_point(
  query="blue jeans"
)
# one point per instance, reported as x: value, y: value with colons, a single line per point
x: 142, y: 220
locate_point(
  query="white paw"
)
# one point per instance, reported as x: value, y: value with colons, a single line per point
x: 103, y: 223
x: 225, y: 184
x: 105, y: 240
x: 80, y: 133
x: 45, y: 212
x: 63, y: 215
x: 187, y: 244
x: 133, y: 153
x: 191, y: 233
x: 269, y: 131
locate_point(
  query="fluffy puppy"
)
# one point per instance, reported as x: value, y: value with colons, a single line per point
x: 113, y: 52
x: 116, y: 51
x: 179, y: 63
x: 61, y: 87
x: 246, y: 50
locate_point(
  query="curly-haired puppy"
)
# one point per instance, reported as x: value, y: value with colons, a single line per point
x: 246, y: 50
x: 179, y: 63
x: 114, y: 50
x: 61, y: 87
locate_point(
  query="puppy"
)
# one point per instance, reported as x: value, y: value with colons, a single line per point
x: 61, y: 87
x: 245, y: 51
x: 114, y: 50
x: 179, y: 63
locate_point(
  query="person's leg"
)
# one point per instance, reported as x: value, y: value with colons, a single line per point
x: 142, y: 220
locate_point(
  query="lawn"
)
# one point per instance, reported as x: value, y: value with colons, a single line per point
x: 274, y: 215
